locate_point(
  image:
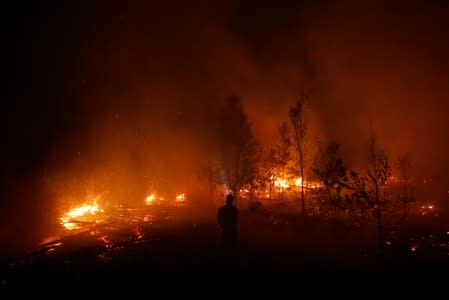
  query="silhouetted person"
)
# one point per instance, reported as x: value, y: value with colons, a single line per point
x: 227, y: 220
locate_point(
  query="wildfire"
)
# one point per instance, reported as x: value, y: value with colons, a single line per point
x: 150, y: 199
x: 298, y: 182
x: 180, y: 197
x: 70, y: 219
x: 282, y: 183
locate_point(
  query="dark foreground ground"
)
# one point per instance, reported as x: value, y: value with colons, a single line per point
x: 178, y: 256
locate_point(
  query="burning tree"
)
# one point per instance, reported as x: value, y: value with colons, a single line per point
x: 239, y: 150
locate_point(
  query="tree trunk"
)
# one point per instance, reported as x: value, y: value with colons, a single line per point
x: 378, y: 207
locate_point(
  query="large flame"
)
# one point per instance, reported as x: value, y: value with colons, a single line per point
x: 154, y: 198
x: 150, y: 199
x: 282, y: 183
x: 180, y: 197
x: 69, y: 220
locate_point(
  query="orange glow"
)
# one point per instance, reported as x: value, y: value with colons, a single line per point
x: 282, y: 183
x: 81, y: 213
x: 298, y: 182
x: 150, y: 199
x: 180, y: 197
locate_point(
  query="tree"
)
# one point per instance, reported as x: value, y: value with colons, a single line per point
x: 282, y: 149
x: 378, y: 174
x: 239, y: 151
x: 211, y: 172
x: 399, y: 205
x: 298, y: 122
x: 268, y: 170
x: 331, y: 171
x: 367, y: 199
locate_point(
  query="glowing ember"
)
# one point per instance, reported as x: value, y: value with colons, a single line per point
x: 413, y: 249
x: 85, y: 209
x: 150, y: 199
x: 180, y: 197
x: 298, y: 182
x: 70, y: 219
x: 430, y: 206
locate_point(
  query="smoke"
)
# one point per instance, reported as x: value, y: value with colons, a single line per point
x: 384, y: 63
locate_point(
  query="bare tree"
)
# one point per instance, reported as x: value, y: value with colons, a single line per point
x: 299, y: 125
x: 372, y: 196
x: 378, y: 174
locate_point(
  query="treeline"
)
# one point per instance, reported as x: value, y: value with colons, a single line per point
x: 316, y: 177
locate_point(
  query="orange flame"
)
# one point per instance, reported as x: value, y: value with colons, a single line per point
x: 180, y: 197
x: 150, y: 199
x: 79, y: 212
x: 281, y: 183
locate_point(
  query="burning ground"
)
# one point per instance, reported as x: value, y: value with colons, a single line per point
x: 140, y: 247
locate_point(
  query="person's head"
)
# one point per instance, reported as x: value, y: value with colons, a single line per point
x: 229, y: 199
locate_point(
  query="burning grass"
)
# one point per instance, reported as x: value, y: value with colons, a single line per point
x: 87, y: 212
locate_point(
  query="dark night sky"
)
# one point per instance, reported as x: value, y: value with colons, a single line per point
x: 71, y: 67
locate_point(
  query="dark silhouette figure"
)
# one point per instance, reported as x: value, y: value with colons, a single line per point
x: 227, y: 220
